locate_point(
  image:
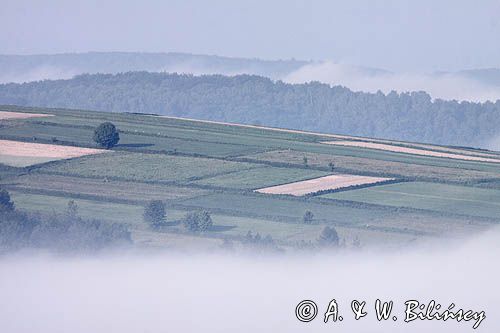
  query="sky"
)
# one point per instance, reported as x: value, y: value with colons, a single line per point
x: 395, y: 35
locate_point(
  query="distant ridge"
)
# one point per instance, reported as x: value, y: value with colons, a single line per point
x: 251, y: 99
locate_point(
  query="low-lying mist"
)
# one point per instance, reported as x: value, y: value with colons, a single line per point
x: 166, y: 292
x: 447, y: 86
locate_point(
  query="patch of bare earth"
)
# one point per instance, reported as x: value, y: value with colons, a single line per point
x: 331, y: 182
x: 413, y: 151
x: 13, y: 150
x: 4, y: 115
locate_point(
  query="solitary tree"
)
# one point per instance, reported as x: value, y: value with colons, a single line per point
x: 305, y: 161
x: 6, y: 205
x: 106, y: 135
x: 72, y: 209
x: 329, y: 237
x: 308, y: 217
x: 204, y: 221
x: 154, y: 213
x: 198, y: 221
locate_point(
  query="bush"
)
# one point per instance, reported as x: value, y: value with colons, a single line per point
x: 308, y: 217
x: 257, y: 242
x: 106, y: 135
x: 63, y: 232
x: 6, y: 205
x: 328, y: 237
x: 154, y: 213
x: 198, y: 221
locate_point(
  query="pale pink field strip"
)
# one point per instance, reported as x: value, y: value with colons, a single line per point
x: 28, y: 149
x: 413, y: 151
x: 331, y: 182
x: 4, y: 115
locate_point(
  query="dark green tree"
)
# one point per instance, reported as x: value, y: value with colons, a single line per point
x: 328, y: 237
x: 204, y: 221
x: 190, y: 222
x: 198, y: 221
x: 6, y: 205
x: 106, y: 135
x: 308, y: 217
x: 72, y: 209
x: 154, y: 213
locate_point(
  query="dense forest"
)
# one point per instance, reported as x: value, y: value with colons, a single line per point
x: 258, y: 100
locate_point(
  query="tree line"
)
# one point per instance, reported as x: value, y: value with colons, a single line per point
x: 67, y: 231
x: 257, y: 100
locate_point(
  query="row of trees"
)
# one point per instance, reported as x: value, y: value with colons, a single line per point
x: 253, y: 99
x: 155, y: 215
x: 65, y: 232
x: 201, y: 221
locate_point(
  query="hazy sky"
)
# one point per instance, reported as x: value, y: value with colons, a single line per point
x: 398, y: 35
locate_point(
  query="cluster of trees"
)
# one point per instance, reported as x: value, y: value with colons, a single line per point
x: 155, y: 215
x: 198, y: 221
x: 64, y: 232
x: 254, y: 99
x: 259, y: 242
x: 328, y: 239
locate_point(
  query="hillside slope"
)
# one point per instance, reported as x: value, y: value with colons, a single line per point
x: 284, y: 184
x: 253, y: 99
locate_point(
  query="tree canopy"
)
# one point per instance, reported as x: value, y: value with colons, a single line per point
x: 106, y: 135
x: 253, y: 99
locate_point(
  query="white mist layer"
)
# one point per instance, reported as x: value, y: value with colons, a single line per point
x: 219, y: 293
x: 38, y: 74
x: 443, y: 86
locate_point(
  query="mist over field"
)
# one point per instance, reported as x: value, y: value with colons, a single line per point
x: 226, y: 293
x: 212, y: 166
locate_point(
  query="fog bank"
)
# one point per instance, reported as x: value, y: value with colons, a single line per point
x: 223, y: 293
x: 447, y: 86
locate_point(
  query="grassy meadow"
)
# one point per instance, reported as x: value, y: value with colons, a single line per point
x: 196, y: 165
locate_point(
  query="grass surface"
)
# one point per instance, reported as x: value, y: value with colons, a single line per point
x: 208, y: 173
x: 438, y: 197
x: 260, y: 177
x: 23, y: 161
x: 111, y: 190
x: 145, y: 167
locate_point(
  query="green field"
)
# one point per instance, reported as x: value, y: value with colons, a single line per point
x: 114, y: 190
x: 260, y: 177
x: 23, y: 161
x: 145, y: 167
x: 438, y: 197
x: 196, y: 165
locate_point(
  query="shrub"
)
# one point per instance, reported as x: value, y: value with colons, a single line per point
x: 63, y: 232
x: 154, y: 213
x: 328, y: 237
x: 198, y: 221
x: 308, y: 217
x: 6, y: 205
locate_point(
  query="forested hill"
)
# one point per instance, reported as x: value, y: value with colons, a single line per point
x: 25, y: 68
x: 258, y: 100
